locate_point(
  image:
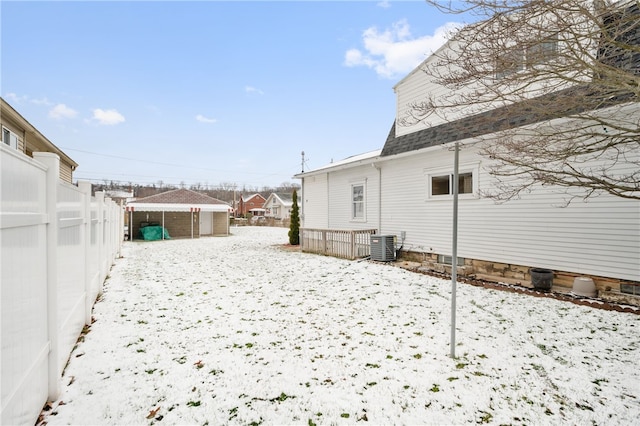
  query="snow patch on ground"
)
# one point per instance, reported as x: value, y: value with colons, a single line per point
x: 235, y: 330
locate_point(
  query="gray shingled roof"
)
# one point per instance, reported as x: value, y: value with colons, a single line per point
x: 625, y: 28
x: 180, y: 196
x: 285, y: 196
x: 540, y: 109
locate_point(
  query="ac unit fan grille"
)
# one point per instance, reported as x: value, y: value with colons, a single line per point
x: 383, y: 248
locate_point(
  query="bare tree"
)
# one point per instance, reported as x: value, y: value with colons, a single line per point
x: 557, y: 80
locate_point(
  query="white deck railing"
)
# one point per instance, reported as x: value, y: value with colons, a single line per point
x: 58, y: 244
x: 347, y: 244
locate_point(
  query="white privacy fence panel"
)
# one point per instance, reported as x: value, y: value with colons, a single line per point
x: 57, y: 244
x: 23, y: 281
x: 70, y: 274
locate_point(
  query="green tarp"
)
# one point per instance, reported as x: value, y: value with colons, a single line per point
x: 153, y: 233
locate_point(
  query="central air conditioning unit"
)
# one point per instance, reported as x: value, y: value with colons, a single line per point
x: 383, y: 248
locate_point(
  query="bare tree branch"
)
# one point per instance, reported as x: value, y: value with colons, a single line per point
x: 561, y: 80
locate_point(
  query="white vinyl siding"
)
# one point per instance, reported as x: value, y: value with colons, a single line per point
x: 600, y: 237
x: 340, y: 184
x: 314, y: 202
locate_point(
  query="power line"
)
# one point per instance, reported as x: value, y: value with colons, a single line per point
x: 167, y: 164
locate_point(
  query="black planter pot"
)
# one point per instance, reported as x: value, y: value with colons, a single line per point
x: 542, y: 279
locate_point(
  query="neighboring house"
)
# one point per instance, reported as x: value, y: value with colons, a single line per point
x: 278, y: 206
x: 405, y: 190
x: 19, y: 134
x: 182, y: 212
x: 248, y: 203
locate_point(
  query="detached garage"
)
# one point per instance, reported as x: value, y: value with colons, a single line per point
x: 180, y: 213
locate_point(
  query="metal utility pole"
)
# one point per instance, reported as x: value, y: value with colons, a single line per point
x: 454, y: 250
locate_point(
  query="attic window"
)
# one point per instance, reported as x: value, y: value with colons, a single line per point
x: 9, y: 138
x: 543, y: 52
x: 510, y: 62
x: 516, y: 58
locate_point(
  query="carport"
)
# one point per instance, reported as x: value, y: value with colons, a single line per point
x: 182, y: 213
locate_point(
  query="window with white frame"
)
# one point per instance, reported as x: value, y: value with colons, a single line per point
x: 440, y: 181
x: 358, y: 201
x: 516, y: 59
x: 9, y: 138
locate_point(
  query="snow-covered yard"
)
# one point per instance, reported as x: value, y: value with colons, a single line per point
x: 236, y: 330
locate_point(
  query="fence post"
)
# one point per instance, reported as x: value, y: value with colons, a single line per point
x: 52, y: 162
x: 85, y: 187
x: 109, y: 226
x: 353, y: 245
x: 324, y: 242
x: 100, y: 237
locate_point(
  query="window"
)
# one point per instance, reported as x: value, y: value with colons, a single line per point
x: 357, y: 201
x: 448, y: 260
x: 515, y: 59
x: 510, y: 62
x: 543, y: 52
x: 9, y: 138
x: 443, y: 184
x: 633, y: 289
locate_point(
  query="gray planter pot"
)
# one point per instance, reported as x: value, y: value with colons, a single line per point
x: 541, y: 279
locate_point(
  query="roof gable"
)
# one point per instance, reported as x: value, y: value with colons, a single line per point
x: 246, y: 198
x: 286, y: 199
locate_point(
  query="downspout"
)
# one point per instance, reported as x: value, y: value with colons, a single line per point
x: 301, y: 216
x: 328, y: 203
x: 301, y: 203
x: 374, y: 165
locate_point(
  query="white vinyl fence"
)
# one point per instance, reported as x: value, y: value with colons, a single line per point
x: 57, y: 245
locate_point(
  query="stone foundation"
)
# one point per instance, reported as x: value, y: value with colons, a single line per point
x: 607, y: 288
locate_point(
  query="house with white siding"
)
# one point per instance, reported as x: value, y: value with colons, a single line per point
x: 278, y: 205
x: 405, y: 190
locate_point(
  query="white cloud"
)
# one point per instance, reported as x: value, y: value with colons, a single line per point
x: 203, y: 119
x: 25, y: 98
x: 395, y: 51
x: 251, y: 89
x: 14, y: 98
x: 42, y: 101
x: 108, y: 117
x: 62, y: 111
x: 384, y: 4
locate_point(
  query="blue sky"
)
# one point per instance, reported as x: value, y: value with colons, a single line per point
x: 211, y: 92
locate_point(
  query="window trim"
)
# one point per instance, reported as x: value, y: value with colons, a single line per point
x: 11, y: 139
x: 523, y: 58
x: 353, y: 185
x: 467, y: 168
